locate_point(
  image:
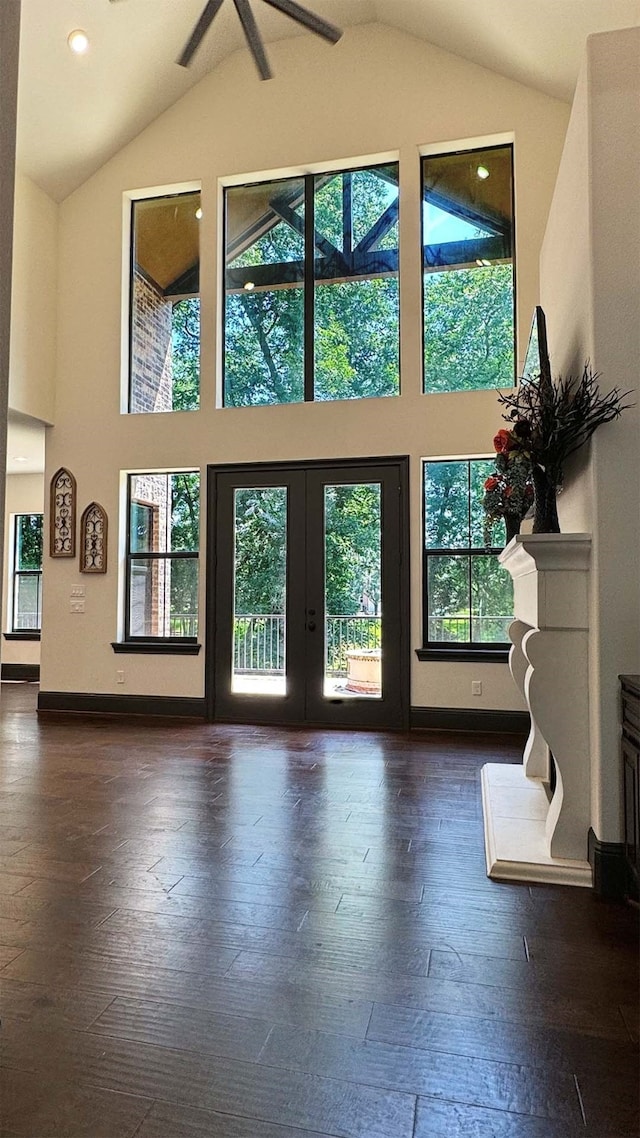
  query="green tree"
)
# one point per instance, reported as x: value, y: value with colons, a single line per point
x: 29, y: 542
x: 356, y: 321
x: 185, y: 537
x: 185, y: 350
x: 468, y: 321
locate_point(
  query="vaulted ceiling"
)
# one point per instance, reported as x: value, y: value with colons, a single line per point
x: 76, y: 112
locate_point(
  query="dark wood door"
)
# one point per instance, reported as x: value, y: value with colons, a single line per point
x: 308, y: 594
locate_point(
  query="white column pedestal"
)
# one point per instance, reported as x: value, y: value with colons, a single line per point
x: 529, y: 834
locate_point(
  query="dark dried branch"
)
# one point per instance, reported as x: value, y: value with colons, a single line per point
x: 562, y: 416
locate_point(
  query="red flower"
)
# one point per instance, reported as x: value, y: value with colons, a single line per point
x: 508, y: 491
x: 503, y: 441
x: 491, y: 483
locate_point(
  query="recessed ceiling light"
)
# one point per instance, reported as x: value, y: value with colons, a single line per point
x: 249, y: 286
x: 199, y: 213
x: 78, y: 41
x: 482, y: 172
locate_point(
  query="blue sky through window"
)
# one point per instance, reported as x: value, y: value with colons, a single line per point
x: 440, y: 226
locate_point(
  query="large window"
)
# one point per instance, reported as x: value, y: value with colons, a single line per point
x: 165, y: 304
x: 468, y: 271
x: 311, y: 288
x: 468, y: 596
x: 26, y: 609
x: 162, y: 557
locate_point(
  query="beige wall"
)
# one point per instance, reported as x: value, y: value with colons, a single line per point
x: 24, y: 495
x: 9, y: 46
x: 33, y: 302
x: 590, y: 267
x: 378, y: 92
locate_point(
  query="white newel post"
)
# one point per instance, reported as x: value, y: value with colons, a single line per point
x: 530, y: 835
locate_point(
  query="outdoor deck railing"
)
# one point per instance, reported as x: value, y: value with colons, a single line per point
x: 259, y: 641
x: 259, y: 637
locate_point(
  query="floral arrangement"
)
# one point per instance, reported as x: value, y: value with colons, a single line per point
x: 508, y: 492
x: 551, y: 420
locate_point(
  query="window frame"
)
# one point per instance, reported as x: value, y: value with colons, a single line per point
x: 478, y: 651
x: 163, y: 194
x: 478, y: 148
x: 16, y: 576
x: 308, y: 178
x: 186, y: 645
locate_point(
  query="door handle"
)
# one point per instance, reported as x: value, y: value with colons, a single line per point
x: 311, y: 626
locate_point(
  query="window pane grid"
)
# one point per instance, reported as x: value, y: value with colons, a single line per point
x: 26, y: 615
x: 162, y: 556
x: 321, y: 321
x: 164, y: 365
x: 468, y: 598
x: 468, y: 271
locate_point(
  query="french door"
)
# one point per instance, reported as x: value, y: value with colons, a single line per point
x: 307, y: 593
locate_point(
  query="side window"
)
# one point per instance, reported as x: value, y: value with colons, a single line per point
x: 165, y: 304
x: 468, y: 270
x: 467, y: 595
x: 162, y: 556
x: 311, y: 288
x: 26, y: 609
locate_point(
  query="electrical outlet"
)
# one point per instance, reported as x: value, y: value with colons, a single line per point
x: 119, y: 677
x: 476, y: 687
x: 76, y: 606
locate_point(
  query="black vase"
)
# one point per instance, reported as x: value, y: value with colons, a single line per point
x: 545, y: 513
x: 511, y: 525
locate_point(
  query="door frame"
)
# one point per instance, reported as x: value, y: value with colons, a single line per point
x: 401, y: 462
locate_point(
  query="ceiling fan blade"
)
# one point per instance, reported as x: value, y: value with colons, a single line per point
x: 250, y: 29
x: 209, y: 12
x: 308, y: 19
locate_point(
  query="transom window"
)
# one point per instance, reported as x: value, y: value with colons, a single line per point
x: 26, y: 609
x: 468, y: 596
x: 468, y: 270
x: 162, y: 557
x: 165, y: 304
x: 311, y: 288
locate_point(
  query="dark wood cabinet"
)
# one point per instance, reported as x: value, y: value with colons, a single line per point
x: 631, y: 769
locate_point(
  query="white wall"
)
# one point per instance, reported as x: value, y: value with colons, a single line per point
x: 33, y: 302
x: 590, y: 268
x: 24, y: 495
x: 9, y: 46
x: 377, y: 92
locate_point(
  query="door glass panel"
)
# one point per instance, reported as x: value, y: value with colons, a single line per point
x: 352, y: 592
x: 260, y: 589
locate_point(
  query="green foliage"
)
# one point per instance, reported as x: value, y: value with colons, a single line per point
x: 185, y: 537
x: 468, y: 318
x: 352, y: 527
x: 185, y: 343
x: 464, y: 592
x: 352, y: 548
x: 29, y: 541
x: 260, y: 550
x: 356, y: 342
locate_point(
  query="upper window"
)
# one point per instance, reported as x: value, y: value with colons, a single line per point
x: 165, y: 304
x: 162, y: 557
x: 311, y: 288
x: 468, y: 270
x: 468, y: 596
x: 26, y: 612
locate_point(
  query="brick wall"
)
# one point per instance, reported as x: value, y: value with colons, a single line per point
x: 151, y: 356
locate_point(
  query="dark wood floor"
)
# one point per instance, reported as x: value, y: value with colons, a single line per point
x: 251, y: 933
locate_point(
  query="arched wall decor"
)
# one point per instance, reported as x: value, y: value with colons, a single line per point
x: 62, y: 515
x: 93, y: 539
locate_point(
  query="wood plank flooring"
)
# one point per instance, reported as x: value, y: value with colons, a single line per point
x: 242, y: 932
